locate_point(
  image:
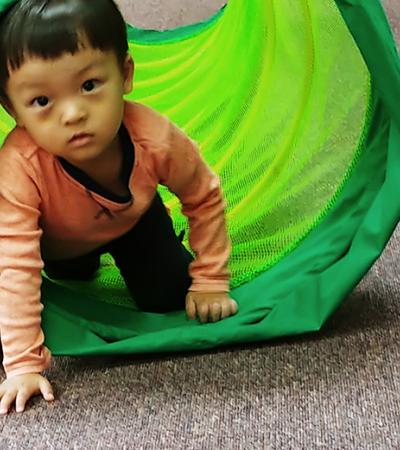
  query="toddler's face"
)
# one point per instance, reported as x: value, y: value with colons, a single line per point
x: 72, y: 106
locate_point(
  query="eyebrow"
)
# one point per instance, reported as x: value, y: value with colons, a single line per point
x: 40, y: 84
x: 88, y: 67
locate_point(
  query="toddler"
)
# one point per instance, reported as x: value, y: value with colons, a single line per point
x: 78, y: 178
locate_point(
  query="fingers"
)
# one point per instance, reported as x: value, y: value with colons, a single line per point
x: 215, y: 312
x: 220, y: 311
x: 22, y: 397
x: 190, y: 308
x: 6, y: 402
x: 234, y: 306
x: 20, y: 389
x: 202, y: 312
x: 209, y: 307
x: 46, y: 390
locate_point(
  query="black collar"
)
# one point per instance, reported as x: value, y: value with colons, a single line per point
x: 128, y: 159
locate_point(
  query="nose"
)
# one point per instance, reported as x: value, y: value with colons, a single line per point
x: 73, y: 112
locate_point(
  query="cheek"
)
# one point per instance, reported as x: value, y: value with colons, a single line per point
x: 111, y: 115
x: 32, y: 119
x: 48, y: 139
x: 38, y: 124
x: 43, y: 133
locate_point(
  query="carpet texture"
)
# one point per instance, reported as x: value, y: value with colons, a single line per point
x: 337, y: 389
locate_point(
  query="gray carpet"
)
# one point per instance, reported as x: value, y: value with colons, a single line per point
x: 337, y: 389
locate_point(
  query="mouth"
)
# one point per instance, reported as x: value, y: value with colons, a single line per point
x: 80, y: 139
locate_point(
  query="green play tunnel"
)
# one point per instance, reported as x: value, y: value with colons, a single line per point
x: 295, y: 104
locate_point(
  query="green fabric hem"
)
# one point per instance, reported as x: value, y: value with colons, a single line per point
x: 141, y: 36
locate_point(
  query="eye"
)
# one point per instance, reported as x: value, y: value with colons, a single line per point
x: 89, y: 85
x: 41, y: 101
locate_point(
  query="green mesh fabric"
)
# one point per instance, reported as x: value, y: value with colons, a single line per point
x: 306, y: 138
x: 281, y: 123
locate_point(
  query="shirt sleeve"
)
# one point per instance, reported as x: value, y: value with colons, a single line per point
x: 20, y: 273
x: 187, y: 175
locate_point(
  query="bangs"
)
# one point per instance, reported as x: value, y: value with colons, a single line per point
x: 50, y: 28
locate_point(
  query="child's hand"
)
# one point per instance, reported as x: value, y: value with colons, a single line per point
x: 21, y: 388
x: 209, y: 306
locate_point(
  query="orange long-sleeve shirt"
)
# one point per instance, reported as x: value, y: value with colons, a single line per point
x: 45, y: 213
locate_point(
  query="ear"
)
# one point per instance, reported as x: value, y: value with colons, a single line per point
x: 128, y: 70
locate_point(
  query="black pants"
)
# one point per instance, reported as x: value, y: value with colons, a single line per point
x: 151, y: 258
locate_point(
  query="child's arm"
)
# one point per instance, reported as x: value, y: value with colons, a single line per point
x: 20, y: 275
x: 186, y: 174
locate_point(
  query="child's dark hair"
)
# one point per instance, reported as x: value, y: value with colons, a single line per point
x: 50, y: 28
